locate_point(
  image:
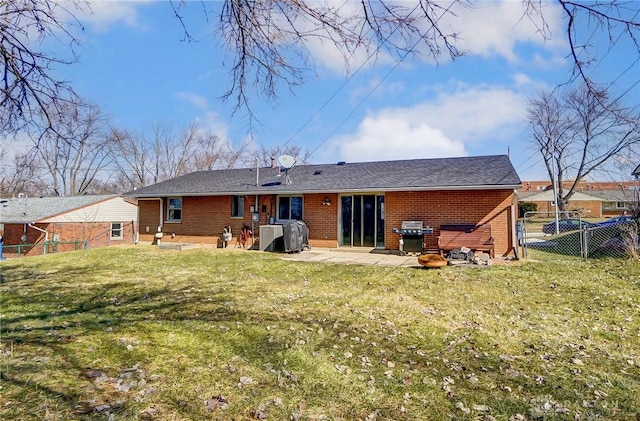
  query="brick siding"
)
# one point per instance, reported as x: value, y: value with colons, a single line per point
x: 586, y: 208
x: 435, y: 208
x: 206, y: 217
x: 81, y: 235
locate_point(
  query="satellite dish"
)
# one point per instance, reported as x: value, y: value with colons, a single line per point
x: 286, y: 161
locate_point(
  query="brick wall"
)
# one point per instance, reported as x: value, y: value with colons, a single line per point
x: 437, y: 208
x: 206, y: 217
x: 586, y: 208
x: 81, y: 235
x: 322, y: 219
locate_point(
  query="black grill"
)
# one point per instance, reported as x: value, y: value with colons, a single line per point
x: 412, y: 236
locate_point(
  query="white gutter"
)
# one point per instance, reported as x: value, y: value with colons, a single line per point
x: 353, y: 190
x: 46, y: 236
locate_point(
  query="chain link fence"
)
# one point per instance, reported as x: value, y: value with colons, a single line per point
x: 46, y: 247
x: 572, y: 237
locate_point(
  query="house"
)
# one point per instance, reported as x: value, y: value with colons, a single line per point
x: 583, y: 185
x: 587, y: 204
x: 343, y: 204
x: 66, y: 221
x: 590, y: 204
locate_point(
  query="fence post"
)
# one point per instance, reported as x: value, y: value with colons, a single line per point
x: 584, y: 235
x: 45, y: 249
x: 1, y: 244
x: 75, y: 245
x: 55, y: 246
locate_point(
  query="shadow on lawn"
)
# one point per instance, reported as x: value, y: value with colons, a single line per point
x: 310, y: 341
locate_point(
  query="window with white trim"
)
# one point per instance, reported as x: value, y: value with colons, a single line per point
x: 290, y: 207
x: 117, y: 231
x: 621, y: 205
x: 237, y: 206
x: 174, y: 209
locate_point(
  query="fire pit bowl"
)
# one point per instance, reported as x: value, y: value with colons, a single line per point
x: 432, y: 260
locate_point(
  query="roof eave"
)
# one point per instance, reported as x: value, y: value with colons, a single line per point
x: 321, y: 191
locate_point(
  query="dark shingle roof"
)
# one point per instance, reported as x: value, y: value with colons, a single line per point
x: 482, y: 172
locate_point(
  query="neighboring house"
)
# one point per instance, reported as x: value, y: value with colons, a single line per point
x: 92, y: 221
x: 587, y: 204
x: 617, y: 202
x: 583, y: 186
x: 343, y: 204
x: 594, y: 204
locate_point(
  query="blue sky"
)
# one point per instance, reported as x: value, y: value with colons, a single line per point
x: 135, y: 66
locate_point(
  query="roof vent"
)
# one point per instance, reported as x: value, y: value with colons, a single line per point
x: 317, y: 172
x: 341, y: 163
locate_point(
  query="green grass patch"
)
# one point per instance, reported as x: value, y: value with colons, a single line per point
x: 141, y: 333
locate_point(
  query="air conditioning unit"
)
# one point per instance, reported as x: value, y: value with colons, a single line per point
x: 271, y: 238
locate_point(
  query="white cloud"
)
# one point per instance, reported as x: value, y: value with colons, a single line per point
x: 450, y: 124
x: 196, y: 100
x: 212, y: 122
x: 495, y: 28
x: 487, y: 29
x: 101, y: 14
x: 390, y: 136
x: 472, y: 114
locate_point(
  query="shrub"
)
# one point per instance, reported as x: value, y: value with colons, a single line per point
x: 525, y: 207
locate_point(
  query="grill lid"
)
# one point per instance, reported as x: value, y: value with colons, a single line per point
x: 406, y: 225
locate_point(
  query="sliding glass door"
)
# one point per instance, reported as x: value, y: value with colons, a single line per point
x: 362, y: 220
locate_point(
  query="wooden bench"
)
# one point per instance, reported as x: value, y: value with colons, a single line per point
x: 476, y: 238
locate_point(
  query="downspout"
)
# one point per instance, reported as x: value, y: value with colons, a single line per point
x: 514, y: 225
x: 46, y: 236
x: 160, y: 223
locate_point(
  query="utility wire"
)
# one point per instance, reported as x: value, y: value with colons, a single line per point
x: 337, y: 91
x: 335, y: 129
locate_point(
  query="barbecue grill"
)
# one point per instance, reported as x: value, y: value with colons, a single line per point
x: 412, y: 236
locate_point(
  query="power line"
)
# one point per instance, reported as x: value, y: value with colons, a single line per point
x: 323, y: 106
x: 327, y: 137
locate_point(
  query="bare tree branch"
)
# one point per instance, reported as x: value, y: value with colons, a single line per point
x: 28, y: 88
x: 580, y: 131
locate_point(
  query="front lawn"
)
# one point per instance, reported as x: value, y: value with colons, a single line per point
x: 141, y: 333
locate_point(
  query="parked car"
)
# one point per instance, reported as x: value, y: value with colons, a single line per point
x: 564, y: 225
x: 622, y: 219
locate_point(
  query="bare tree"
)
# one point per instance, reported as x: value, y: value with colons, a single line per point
x: 266, y: 154
x: 579, y: 131
x: 140, y: 160
x: 270, y: 42
x: 29, y: 90
x: 77, y: 152
x: 19, y: 173
x: 131, y: 160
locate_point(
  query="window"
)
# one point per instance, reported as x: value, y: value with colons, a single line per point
x: 237, y: 206
x: 116, y: 231
x: 174, y: 209
x: 620, y: 205
x: 290, y: 207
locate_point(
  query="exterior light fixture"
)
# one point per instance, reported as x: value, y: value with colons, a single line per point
x: 327, y: 201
